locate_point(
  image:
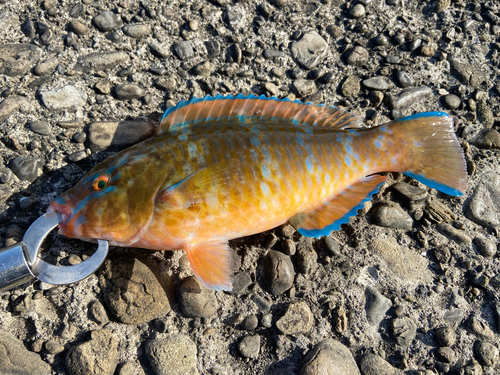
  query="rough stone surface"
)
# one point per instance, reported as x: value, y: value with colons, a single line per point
x: 26, y: 168
x: 278, y: 272
x: 309, y: 50
x: 483, y: 206
x: 13, y: 104
x: 329, y: 357
x: 173, y: 355
x: 67, y: 98
x: 404, y: 330
x: 16, y: 360
x: 249, y: 346
x: 101, y: 61
x: 371, y: 364
x: 17, y: 59
x: 297, y: 319
x: 196, y: 300
x: 376, y: 305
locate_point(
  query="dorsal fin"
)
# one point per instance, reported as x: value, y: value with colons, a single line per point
x: 229, y: 107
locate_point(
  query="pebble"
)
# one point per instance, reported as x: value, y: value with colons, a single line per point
x: 452, y: 101
x: 487, y: 138
x: 46, y: 68
x: 40, y: 127
x: 304, y: 87
x: 485, y: 114
x: 103, y: 87
x: 184, y: 50
x: 203, y: 69
x: 483, y: 207
x: 77, y: 156
x: 250, y: 322
x: 101, y: 61
x: 357, y: 11
x: 249, y: 346
x: 446, y: 355
x: 54, y: 347
x: 446, y: 336
x: 279, y: 274
x: 391, y: 215
x: 27, y: 168
x: 98, y: 356
x: 133, y: 291
x: 486, y: 353
x: 267, y: 320
x: 442, y: 5
x: 13, y: 104
x: 357, y: 56
x: 168, y: 84
x: 297, y: 319
x: 453, y: 316
x: 427, y: 51
x: 270, y: 88
x: 68, y: 98
x: 371, y: 364
x: 437, y: 212
x: 129, y: 91
x: 404, y: 80
x: 409, y: 97
x: 288, y: 247
x: 17, y: 59
x: 213, y: 48
x: 196, y: 301
x: 410, y: 192
x: 442, y: 254
x: 404, y: 330
x: 263, y: 304
x: 377, y: 83
x: 173, y: 355
x: 118, y: 134
x: 329, y: 357
x: 98, y: 313
x: 137, y: 30
x: 480, y: 328
x: 107, y: 21
x: 454, y: 234
x: 350, y: 87
x: 271, y: 54
x: 5, y: 175
x: 79, y: 28
x: 306, y: 256
x: 376, y: 305
x: 467, y: 74
x: 130, y: 368
x: 16, y: 359
x: 309, y: 50
x: 486, y: 247
x: 241, y: 281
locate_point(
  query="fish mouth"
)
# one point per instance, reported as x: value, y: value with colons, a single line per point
x: 63, y: 210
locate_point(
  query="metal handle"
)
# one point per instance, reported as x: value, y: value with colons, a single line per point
x: 14, y: 269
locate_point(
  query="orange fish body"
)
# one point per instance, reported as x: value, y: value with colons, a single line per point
x: 222, y: 168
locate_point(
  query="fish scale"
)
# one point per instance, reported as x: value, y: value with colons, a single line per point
x: 225, y: 167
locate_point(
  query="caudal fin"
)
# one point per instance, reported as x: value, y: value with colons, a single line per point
x: 434, y: 156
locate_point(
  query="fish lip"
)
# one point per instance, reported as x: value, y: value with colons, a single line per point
x: 62, y: 210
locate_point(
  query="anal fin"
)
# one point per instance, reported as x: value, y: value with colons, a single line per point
x: 211, y: 263
x: 329, y: 217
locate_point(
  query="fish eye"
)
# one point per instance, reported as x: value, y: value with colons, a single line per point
x: 100, y: 181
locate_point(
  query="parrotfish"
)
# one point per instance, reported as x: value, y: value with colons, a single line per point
x: 226, y: 167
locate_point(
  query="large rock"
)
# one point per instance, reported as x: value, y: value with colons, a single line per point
x: 329, y: 357
x: 175, y: 355
x: 16, y: 360
x: 17, y: 59
x: 67, y: 98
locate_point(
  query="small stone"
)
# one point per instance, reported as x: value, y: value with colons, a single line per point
x: 288, y: 247
x: 250, y: 322
x: 16, y: 359
x: 483, y: 206
x: 130, y: 368
x: 473, y: 368
x: 454, y: 234
x: 437, y: 212
x: 404, y: 330
x: 329, y: 357
x: 5, y: 175
x: 27, y: 168
x: 452, y: 101
x: 357, y: 11
x: 487, y: 138
x: 467, y: 74
x: 104, y: 135
x: 203, y: 69
x: 107, y: 21
x: 79, y: 28
x: 54, y: 347
x: 404, y: 80
x: 101, y: 61
x: 391, y: 215
x: 453, y: 316
x: 137, y: 30
x: 376, y: 305
x: 485, y: 114
x: 196, y: 301
x: 357, y: 56
x: 241, y: 281
x: 47, y: 67
x: 98, y: 313
x: 271, y: 54
x: 168, y: 84
x: 103, y: 87
x: 194, y: 25
x: 371, y: 364
x: 98, y: 356
x: 304, y: 87
x: 249, y: 346
x: 279, y: 274
x: 410, y: 192
x: 128, y: 91
x: 409, y: 97
x: 40, y: 127
x: 174, y: 355
x: 446, y: 336
x: 17, y: 59
x: 442, y: 5
x: 306, y: 256
x: 486, y: 353
x: 331, y: 246
x: 480, y: 328
x: 350, y: 87
x: 297, y: 319
x: 486, y: 247
x: 377, y: 83
x: 262, y: 303
x: 427, y: 51
x: 309, y: 50
x: 267, y: 320
x: 213, y: 48
x: 184, y: 50
x: 68, y: 98
x: 271, y: 88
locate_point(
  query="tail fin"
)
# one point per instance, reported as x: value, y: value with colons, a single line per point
x: 434, y: 157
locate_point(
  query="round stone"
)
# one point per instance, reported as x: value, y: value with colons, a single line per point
x: 446, y: 336
x: 107, y: 21
x: 297, y: 319
x: 451, y: 101
x: 128, y: 91
x: 278, y: 272
x: 250, y: 322
x: 357, y: 56
x: 486, y: 353
x: 357, y: 11
x: 174, y: 355
x: 249, y: 346
x: 196, y: 300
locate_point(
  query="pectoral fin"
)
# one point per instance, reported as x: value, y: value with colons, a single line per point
x: 211, y: 263
x: 329, y: 217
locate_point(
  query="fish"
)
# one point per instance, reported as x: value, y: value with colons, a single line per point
x: 225, y: 167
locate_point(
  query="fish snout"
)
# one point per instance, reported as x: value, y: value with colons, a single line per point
x: 60, y: 206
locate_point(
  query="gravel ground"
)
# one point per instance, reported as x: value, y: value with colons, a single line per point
x: 409, y: 286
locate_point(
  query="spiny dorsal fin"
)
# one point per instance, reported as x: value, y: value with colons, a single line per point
x: 229, y: 107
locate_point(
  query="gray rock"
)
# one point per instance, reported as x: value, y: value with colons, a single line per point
x: 264, y: 304
x: 350, y: 87
x: 486, y: 353
x: 271, y: 54
x: 278, y: 272
x: 485, y: 114
x: 98, y: 313
x: 466, y: 73
x: 454, y: 234
x: 118, y: 134
x: 250, y: 322
x: 79, y: 28
x: 196, y: 301
x: 174, y: 355
x: 134, y: 292
x: 486, y: 247
x: 376, y: 305
x: 483, y: 206
x: 137, y: 30
x: 267, y: 320
x: 304, y: 87
x: 249, y: 346
x: 452, y: 101
x: 309, y: 50
x: 159, y: 50
x: 13, y: 104
x: 437, y: 212
x: 40, y: 127
x: 107, y: 21
x: 357, y: 11
x: 442, y: 5
x: 487, y: 138
x: 47, y: 67
x: 184, y: 50
x: 17, y: 59
x: 409, y: 97
x: 377, y: 83
x: 357, y: 56
x: 67, y: 98
x: 391, y: 215
x: 98, y: 356
x: 130, y: 368
x: 203, y: 69
x: 297, y: 319
x: 329, y: 357
x: 473, y: 368
x: 5, y: 175
x: 16, y: 360
x: 404, y: 330
x: 53, y: 347
x: 27, y: 168
x: 404, y: 80
x: 306, y: 256
x: 410, y: 192
x: 166, y: 84
x: 446, y: 336
x: 100, y: 61
x: 241, y: 281
x: 453, y: 316
x: 480, y: 328
x: 213, y: 48
x: 371, y: 364
x: 129, y: 91
x: 446, y: 355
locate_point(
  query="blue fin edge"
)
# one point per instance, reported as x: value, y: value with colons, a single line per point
x: 424, y: 114
x: 434, y: 185
x: 343, y: 220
